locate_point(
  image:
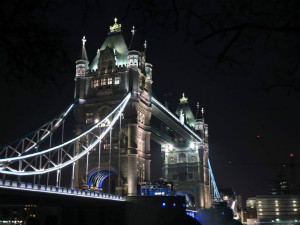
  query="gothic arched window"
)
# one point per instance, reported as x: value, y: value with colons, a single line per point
x: 182, y: 158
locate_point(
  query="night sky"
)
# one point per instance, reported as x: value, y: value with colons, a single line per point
x: 247, y: 80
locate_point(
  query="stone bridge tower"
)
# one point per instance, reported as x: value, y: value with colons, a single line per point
x: 100, y: 87
x: 186, y: 163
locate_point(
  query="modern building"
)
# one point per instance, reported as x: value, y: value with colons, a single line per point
x: 283, y: 209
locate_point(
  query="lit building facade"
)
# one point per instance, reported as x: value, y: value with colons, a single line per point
x: 103, y: 84
x: 186, y: 162
x: 284, y: 209
x: 100, y: 86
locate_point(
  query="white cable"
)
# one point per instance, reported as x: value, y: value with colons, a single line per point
x: 116, y: 117
x: 68, y: 142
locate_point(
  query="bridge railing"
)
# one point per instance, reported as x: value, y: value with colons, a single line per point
x: 57, y: 190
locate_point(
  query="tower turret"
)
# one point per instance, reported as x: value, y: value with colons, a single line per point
x: 148, y: 70
x: 184, y: 112
x: 136, y: 58
x: 82, y: 64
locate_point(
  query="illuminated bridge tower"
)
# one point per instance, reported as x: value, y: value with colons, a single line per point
x: 186, y: 163
x: 100, y: 86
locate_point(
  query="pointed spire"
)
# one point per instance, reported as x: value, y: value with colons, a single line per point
x: 197, y: 110
x: 202, y: 111
x: 145, y: 45
x: 83, y: 52
x: 83, y: 41
x: 133, y: 30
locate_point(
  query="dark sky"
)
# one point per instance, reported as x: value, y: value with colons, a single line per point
x: 238, y: 106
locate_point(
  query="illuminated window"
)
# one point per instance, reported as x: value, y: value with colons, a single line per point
x: 103, y: 82
x: 106, y: 144
x: 117, y: 80
x: 172, y: 160
x: 109, y: 81
x: 193, y: 158
x: 182, y: 158
x: 89, y: 117
x: 95, y: 83
x: 141, y: 117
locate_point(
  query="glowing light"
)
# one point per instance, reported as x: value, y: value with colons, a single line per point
x: 170, y: 147
x: 70, y: 141
x: 292, y: 155
x: 54, y: 190
x: 116, y: 27
x: 174, y: 204
x: 96, y: 120
x: 164, y: 204
x: 233, y: 205
x: 192, y: 145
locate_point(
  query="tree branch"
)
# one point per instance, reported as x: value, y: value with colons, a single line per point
x: 249, y: 26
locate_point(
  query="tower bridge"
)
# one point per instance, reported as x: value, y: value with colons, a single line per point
x: 117, y: 122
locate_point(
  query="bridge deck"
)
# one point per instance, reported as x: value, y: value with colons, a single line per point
x: 8, y: 184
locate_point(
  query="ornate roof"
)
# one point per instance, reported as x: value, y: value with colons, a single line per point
x: 185, y: 109
x: 116, y: 42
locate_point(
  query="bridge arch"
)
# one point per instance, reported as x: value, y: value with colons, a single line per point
x: 99, y: 179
